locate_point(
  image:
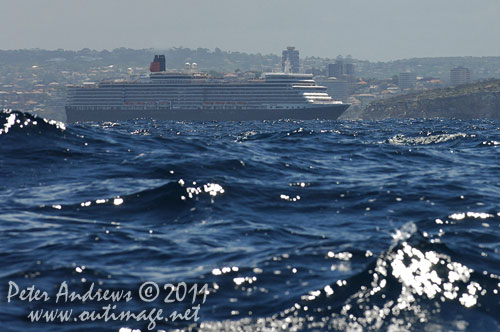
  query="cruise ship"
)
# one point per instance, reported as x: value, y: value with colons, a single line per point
x: 191, y: 95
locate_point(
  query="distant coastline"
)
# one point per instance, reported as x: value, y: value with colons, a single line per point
x: 35, y: 80
x: 471, y: 101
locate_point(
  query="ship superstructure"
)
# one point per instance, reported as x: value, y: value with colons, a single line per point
x: 195, y: 96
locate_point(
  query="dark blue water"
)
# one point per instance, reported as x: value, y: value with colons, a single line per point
x: 292, y: 225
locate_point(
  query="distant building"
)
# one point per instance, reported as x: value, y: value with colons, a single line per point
x: 315, y: 71
x: 460, y: 75
x: 336, y: 69
x: 349, y: 69
x: 292, y: 55
x: 341, y: 79
x: 407, y: 81
x: 339, y: 69
x: 337, y: 89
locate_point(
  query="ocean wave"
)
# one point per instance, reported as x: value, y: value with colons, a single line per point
x: 416, y: 285
x: 16, y: 121
x: 401, y: 139
x: 370, y: 225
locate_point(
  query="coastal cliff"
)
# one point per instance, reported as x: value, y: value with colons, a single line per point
x: 471, y: 101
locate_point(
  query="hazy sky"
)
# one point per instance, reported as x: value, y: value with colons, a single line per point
x: 366, y: 29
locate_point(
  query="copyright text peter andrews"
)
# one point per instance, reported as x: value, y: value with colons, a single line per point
x: 109, y: 300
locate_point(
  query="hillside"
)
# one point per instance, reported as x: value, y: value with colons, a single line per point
x: 471, y: 101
